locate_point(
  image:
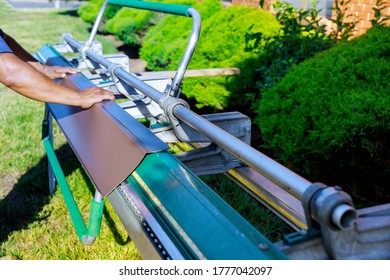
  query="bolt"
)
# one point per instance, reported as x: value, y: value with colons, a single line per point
x: 303, y: 232
x: 263, y: 246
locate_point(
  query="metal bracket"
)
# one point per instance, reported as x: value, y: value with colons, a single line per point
x: 115, y: 79
x: 369, y: 239
x: 207, y: 157
x: 168, y: 103
x: 330, y: 213
x: 208, y: 160
x: 332, y: 210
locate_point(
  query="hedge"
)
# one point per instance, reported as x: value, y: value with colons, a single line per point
x: 89, y: 10
x: 329, y: 118
x: 164, y: 44
x: 221, y: 44
x: 131, y: 25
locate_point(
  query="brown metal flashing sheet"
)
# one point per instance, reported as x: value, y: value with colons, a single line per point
x: 103, y: 142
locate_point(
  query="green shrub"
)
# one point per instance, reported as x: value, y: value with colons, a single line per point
x: 221, y: 44
x: 89, y: 10
x: 164, y: 44
x: 223, y: 35
x: 130, y: 25
x: 329, y: 118
x: 300, y: 37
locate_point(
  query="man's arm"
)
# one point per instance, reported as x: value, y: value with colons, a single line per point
x: 24, y: 79
x: 50, y: 71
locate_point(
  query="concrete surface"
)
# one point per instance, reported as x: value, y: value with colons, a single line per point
x: 43, y: 4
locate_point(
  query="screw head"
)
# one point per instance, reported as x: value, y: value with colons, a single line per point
x: 263, y: 246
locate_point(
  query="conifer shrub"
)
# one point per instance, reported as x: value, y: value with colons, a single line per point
x: 329, y: 117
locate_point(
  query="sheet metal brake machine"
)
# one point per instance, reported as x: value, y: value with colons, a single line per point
x: 168, y: 212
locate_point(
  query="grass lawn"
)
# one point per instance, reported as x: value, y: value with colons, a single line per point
x: 34, y: 224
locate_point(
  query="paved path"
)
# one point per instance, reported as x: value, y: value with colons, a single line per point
x: 42, y: 4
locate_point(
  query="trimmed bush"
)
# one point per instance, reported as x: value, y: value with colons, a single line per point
x: 131, y: 25
x: 164, y: 44
x: 329, y: 118
x: 221, y: 44
x: 89, y: 10
x: 300, y: 37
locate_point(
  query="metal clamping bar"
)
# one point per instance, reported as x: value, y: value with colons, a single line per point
x: 342, y: 214
x: 277, y: 173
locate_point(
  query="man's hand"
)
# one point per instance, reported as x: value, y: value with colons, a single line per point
x: 58, y: 72
x: 92, y: 95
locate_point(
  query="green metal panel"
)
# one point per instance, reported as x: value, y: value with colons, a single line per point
x: 175, y: 9
x: 49, y: 55
x: 198, y: 220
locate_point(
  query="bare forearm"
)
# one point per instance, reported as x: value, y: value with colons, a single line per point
x: 25, y: 80
x: 22, y: 54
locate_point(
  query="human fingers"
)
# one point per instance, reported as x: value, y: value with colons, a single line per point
x: 94, y: 95
x: 59, y: 72
x: 66, y: 70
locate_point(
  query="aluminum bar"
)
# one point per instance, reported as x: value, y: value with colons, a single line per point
x: 279, y: 201
x: 271, y: 169
x: 97, y: 24
x: 182, y: 10
x: 188, y: 52
x: 121, y: 73
x: 277, y: 173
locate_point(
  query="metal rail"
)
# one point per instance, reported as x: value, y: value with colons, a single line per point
x: 342, y: 213
x: 277, y: 173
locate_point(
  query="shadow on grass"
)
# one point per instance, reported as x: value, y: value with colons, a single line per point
x: 69, y: 12
x: 31, y: 193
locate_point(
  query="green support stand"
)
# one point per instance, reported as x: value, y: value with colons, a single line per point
x: 86, y: 236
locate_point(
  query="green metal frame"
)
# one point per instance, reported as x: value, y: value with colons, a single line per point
x: 175, y: 9
x: 86, y: 236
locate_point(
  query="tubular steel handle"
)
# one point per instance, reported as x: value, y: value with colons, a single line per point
x: 175, y: 9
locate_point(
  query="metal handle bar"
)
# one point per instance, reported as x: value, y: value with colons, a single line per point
x: 276, y: 172
x: 279, y: 174
x: 176, y: 9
